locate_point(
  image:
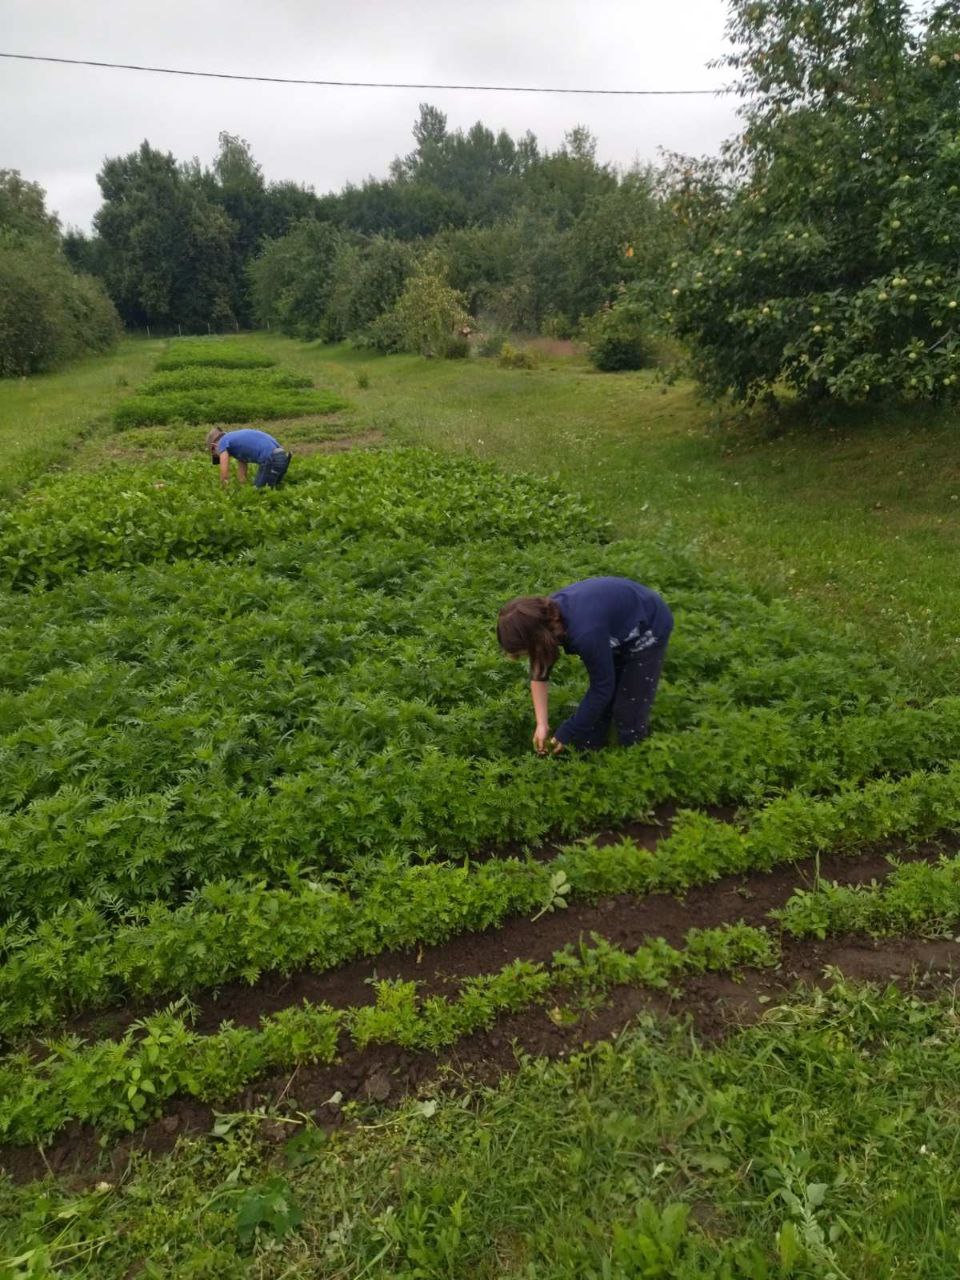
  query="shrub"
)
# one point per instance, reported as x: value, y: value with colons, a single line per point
x: 492, y: 343
x: 429, y: 312
x: 48, y: 315
x: 558, y: 326
x: 457, y: 347
x: 516, y: 357
x: 293, y: 279
x: 617, y: 337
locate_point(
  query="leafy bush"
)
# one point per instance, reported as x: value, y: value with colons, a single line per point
x: 617, y: 336
x: 429, y: 313
x: 293, y: 280
x: 825, y: 253
x: 48, y: 315
x: 517, y: 357
x: 457, y: 347
x: 491, y: 343
x: 385, y: 334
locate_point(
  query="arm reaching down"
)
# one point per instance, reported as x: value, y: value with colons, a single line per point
x: 540, y: 694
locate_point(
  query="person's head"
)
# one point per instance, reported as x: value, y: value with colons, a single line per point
x: 213, y: 436
x: 531, y: 626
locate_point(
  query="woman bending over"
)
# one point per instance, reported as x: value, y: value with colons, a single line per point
x: 619, y: 629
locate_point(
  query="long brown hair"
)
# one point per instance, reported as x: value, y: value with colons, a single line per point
x: 532, y: 625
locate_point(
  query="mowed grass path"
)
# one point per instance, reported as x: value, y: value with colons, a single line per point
x: 861, y: 521
x: 44, y: 419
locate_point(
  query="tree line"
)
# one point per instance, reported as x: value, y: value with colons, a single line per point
x: 817, y: 252
x: 49, y: 313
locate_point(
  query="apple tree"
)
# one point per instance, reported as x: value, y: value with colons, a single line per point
x: 830, y: 261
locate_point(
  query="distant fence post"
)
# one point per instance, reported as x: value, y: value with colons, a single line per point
x: 179, y: 331
x: 208, y: 327
x: 148, y: 331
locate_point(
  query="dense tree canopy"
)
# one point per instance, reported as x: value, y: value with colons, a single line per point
x: 834, y: 222
x: 818, y: 252
x: 48, y: 313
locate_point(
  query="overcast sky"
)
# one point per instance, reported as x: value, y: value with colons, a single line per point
x: 58, y: 123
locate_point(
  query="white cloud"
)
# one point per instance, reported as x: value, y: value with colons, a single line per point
x: 57, y: 123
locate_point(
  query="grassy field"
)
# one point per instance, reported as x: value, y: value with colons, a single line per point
x: 858, y: 521
x: 249, y: 737
x: 44, y: 420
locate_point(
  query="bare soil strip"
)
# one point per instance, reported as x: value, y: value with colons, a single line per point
x: 624, y: 919
x: 716, y: 1004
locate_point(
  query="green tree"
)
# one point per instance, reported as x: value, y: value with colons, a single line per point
x: 294, y: 278
x: 381, y: 271
x: 510, y: 272
x: 167, y: 244
x: 23, y: 210
x: 619, y: 238
x: 48, y: 313
x: 239, y: 189
x: 835, y: 217
x: 429, y: 312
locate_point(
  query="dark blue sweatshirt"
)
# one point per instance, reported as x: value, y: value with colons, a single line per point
x: 606, y: 618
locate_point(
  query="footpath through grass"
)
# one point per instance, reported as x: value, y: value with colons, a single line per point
x: 45, y: 419
x: 860, y: 522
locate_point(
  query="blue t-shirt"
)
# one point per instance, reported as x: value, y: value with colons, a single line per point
x: 247, y: 445
x: 606, y: 618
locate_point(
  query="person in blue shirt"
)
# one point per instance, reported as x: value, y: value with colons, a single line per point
x: 247, y: 444
x: 619, y: 629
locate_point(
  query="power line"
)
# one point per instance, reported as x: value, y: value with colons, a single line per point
x: 365, y: 84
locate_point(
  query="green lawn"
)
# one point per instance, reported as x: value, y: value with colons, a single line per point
x: 44, y: 419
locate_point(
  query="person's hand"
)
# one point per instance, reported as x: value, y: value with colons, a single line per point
x: 557, y: 746
x: 541, y: 736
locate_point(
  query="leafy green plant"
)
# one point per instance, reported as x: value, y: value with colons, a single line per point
x: 618, y: 335
x: 511, y: 357
x: 267, y: 1209
x: 246, y: 403
x: 212, y: 353
x: 118, y: 1084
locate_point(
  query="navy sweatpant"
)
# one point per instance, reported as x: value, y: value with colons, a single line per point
x: 638, y: 675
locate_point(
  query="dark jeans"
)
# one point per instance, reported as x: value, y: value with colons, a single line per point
x: 273, y: 470
x: 638, y: 675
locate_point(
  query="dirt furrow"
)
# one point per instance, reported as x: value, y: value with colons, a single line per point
x: 716, y: 1004
x: 623, y: 919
